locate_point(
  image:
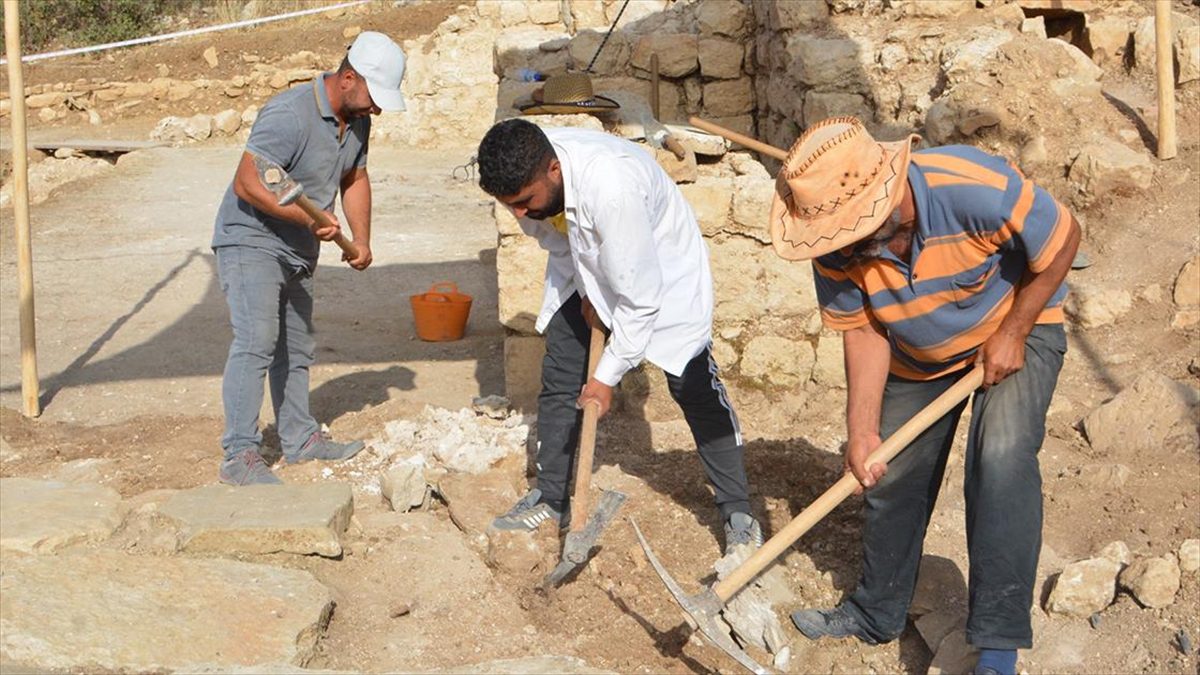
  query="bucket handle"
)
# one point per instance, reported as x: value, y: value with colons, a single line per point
x: 444, y: 288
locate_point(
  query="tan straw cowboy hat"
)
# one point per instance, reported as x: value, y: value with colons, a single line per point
x: 568, y: 94
x: 837, y: 186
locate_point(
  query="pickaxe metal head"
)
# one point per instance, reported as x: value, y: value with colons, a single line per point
x: 578, y: 543
x: 275, y: 179
x: 703, y: 610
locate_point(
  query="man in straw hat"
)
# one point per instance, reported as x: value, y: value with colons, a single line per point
x: 929, y: 262
x: 267, y: 253
x: 625, y: 252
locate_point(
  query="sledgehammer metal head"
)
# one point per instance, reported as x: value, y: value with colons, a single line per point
x: 275, y: 179
x: 703, y: 610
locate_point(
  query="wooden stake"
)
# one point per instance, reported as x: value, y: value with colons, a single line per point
x: 654, y: 87
x: 1164, y: 63
x: 20, y: 170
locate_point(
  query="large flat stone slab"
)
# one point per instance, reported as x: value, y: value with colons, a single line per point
x: 41, y: 516
x: 531, y: 665
x: 109, y: 611
x: 292, y: 518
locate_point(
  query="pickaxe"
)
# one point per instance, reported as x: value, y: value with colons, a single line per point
x: 704, y: 608
x: 288, y: 191
x: 585, y: 531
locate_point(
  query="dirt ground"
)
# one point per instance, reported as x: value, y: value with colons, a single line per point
x: 132, y: 332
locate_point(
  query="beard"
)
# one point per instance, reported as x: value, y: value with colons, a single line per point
x: 553, y: 207
x: 872, y: 247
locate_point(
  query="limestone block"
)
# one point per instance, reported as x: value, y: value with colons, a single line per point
x: 1091, y: 305
x: 47, y: 100
x: 710, y: 198
x: 752, y: 197
x: 829, y: 369
x: 518, y: 48
x: 513, y: 12
x: 826, y: 63
x: 1187, y: 54
x: 1117, y: 551
x: 940, y: 587
x: 785, y: 16
x: 210, y: 57
x: 953, y: 654
x: 819, y: 105
x: 737, y: 272
x: 1152, y: 581
x: 1108, y: 39
x: 179, y: 91
x: 613, y: 59
x: 523, y: 370
x: 198, y: 127
x: 1035, y: 25
x: 743, y: 124
x: 1143, y: 38
x: 589, y: 14
x: 708, y: 145
x: 291, y: 518
x: 680, y: 170
x: 543, y: 11
x: 520, y: 269
x: 1189, y: 555
x: 778, y: 361
x: 110, y: 612
x: 1143, y: 416
x: 227, y: 122
x: 1084, y: 588
x: 726, y: 98
x: 720, y: 58
x: 722, y: 17
x: 475, y: 500
x: 785, y: 98
x: 789, y: 287
x: 677, y: 53
x: 403, y: 484
x: 1083, y: 70
x: 1187, y: 284
x: 44, y: 516
x: 1185, y: 318
x: 670, y: 95
x: 937, y: 9
x: 935, y: 626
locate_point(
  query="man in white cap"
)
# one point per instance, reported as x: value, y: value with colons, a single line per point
x: 930, y: 263
x: 266, y: 254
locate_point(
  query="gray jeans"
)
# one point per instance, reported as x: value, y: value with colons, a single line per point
x: 1002, y: 484
x: 270, y: 309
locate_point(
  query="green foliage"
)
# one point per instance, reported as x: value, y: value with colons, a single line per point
x: 46, y: 24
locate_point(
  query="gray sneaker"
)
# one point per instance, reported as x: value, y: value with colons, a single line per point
x: 246, y: 467
x: 320, y: 447
x: 742, y: 528
x: 834, y: 623
x: 527, y: 514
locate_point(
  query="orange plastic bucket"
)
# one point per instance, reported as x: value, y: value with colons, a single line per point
x: 440, y: 313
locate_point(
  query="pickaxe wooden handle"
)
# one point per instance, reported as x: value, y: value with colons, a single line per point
x: 587, y: 441
x: 839, y: 491
x: 740, y: 139
x: 322, y: 220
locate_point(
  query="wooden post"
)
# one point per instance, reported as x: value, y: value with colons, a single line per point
x: 654, y: 87
x: 1165, y: 66
x: 20, y: 170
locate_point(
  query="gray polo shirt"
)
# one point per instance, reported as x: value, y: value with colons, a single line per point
x: 298, y: 131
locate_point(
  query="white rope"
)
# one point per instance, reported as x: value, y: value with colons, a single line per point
x: 184, y: 33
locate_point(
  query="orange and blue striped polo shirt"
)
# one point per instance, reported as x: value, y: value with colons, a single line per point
x: 980, y: 224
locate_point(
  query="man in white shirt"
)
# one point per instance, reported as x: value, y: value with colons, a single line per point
x: 625, y: 252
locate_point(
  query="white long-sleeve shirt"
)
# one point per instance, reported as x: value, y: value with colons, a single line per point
x: 633, y: 248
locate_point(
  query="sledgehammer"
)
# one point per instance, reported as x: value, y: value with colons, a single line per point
x: 585, y: 531
x: 288, y: 191
x: 704, y: 608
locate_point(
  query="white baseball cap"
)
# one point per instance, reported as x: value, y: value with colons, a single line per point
x: 381, y: 63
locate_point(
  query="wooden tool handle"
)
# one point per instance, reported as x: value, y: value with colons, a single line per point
x: 323, y: 221
x: 740, y: 139
x: 846, y: 486
x: 587, y: 441
x: 1164, y: 64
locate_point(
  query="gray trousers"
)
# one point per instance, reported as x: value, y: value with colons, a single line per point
x: 270, y: 309
x: 698, y: 391
x: 1002, y: 484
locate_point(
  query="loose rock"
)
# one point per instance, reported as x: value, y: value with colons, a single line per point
x: 1146, y: 414
x: 1152, y: 581
x: 1189, y: 555
x: 1084, y: 588
x: 45, y: 516
x: 403, y: 485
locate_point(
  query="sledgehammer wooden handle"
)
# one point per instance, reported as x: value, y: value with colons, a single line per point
x: 740, y: 139
x: 845, y: 487
x: 587, y: 441
x: 318, y: 215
